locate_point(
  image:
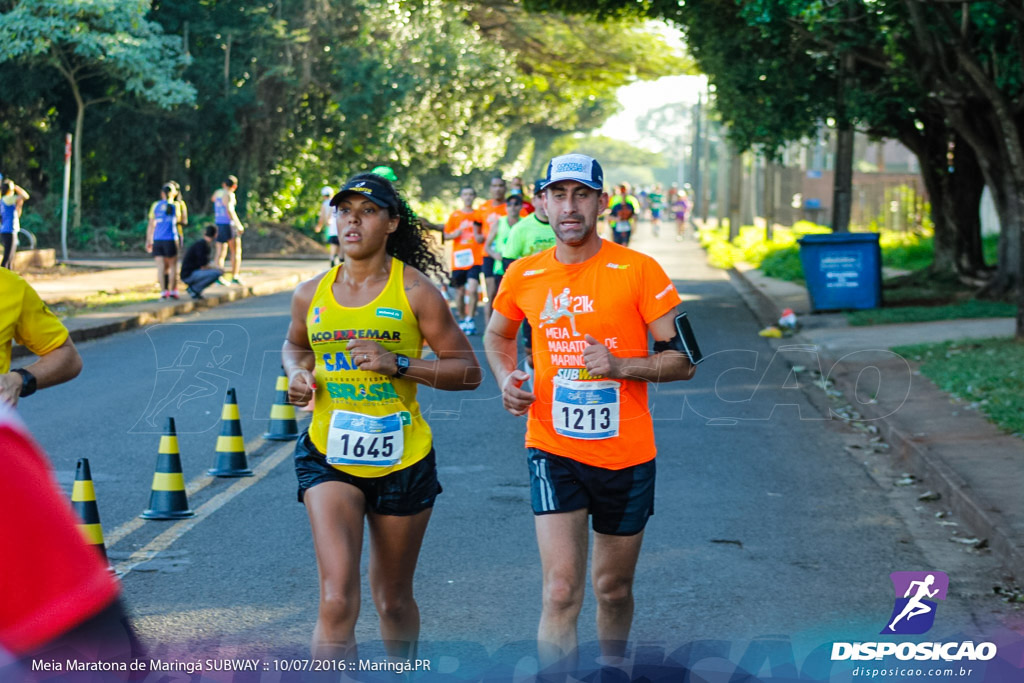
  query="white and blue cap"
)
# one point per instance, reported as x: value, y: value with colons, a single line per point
x: 578, y: 167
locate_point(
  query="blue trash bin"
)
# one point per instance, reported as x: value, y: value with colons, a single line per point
x: 843, y: 270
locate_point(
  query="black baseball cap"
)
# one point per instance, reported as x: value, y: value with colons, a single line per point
x: 374, y: 188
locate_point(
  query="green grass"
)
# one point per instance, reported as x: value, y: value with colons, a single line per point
x: 918, y: 297
x: 780, y: 258
x: 920, y: 314
x: 105, y: 301
x: 987, y: 373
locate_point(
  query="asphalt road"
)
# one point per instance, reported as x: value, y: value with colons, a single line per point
x: 766, y: 528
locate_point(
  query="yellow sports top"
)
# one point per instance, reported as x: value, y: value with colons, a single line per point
x: 367, y: 424
x: 25, y: 318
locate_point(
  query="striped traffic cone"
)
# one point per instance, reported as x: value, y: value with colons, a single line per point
x: 168, y: 499
x: 83, y: 500
x: 231, y: 460
x: 283, y: 426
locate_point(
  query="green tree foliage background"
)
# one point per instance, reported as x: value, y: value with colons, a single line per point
x: 291, y: 95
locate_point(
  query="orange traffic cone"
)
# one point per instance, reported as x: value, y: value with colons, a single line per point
x: 231, y: 460
x: 83, y: 500
x: 283, y: 426
x: 168, y: 499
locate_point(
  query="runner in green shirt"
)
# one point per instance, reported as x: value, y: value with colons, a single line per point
x: 497, y: 238
x: 530, y: 235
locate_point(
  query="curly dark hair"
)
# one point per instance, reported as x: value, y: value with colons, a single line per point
x: 409, y: 243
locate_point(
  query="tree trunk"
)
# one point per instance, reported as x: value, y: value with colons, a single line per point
x: 955, y: 198
x: 967, y: 185
x: 1002, y: 166
x: 842, y: 189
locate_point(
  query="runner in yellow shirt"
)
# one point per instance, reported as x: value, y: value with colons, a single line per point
x: 25, y: 318
x: 355, y: 341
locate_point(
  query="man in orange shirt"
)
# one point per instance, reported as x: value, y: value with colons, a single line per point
x: 590, y: 439
x: 488, y: 215
x: 463, y: 230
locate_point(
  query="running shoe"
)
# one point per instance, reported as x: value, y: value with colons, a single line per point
x: 235, y: 281
x: 470, y: 327
x: 173, y: 294
x: 164, y: 294
x: 221, y: 281
x: 193, y: 293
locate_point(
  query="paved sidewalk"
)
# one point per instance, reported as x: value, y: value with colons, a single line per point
x: 259, y: 277
x: 976, y: 469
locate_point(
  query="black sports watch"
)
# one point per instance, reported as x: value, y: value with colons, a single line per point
x: 402, y: 363
x: 28, y: 382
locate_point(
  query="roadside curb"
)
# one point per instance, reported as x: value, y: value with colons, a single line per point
x: 96, y: 325
x: 980, y: 514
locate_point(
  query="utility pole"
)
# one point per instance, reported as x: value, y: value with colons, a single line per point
x: 698, y: 152
x: 770, y: 171
x: 735, y: 192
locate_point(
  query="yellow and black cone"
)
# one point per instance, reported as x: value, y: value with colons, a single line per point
x: 231, y: 460
x: 83, y: 500
x: 168, y: 499
x: 283, y: 426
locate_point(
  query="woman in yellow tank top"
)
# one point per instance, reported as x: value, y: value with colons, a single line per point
x: 355, y: 341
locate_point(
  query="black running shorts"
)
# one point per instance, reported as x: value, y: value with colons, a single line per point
x: 405, y: 492
x: 619, y: 501
x: 165, y: 248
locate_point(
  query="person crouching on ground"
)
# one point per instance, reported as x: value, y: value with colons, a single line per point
x: 195, y: 269
x: 368, y: 455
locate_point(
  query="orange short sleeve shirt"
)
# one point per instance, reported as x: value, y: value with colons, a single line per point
x: 613, y: 296
x: 464, y: 244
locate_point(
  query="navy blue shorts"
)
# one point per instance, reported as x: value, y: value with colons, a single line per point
x: 165, y: 248
x: 406, y: 492
x: 488, y: 267
x: 619, y: 501
x: 224, y: 233
x: 461, y: 277
x: 333, y: 239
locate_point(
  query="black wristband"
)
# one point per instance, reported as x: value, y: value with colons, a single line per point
x: 28, y: 382
x: 402, y: 364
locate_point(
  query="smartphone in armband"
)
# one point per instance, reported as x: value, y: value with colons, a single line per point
x: 688, y: 338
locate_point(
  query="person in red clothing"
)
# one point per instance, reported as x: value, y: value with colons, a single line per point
x: 57, y: 597
x: 517, y: 187
x: 591, y: 305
